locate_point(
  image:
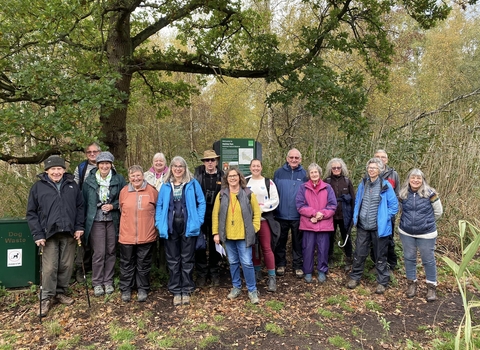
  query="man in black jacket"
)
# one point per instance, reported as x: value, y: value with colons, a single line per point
x: 209, y: 175
x: 55, y: 217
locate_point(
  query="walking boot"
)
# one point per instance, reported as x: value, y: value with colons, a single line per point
x: 258, y: 275
x: 272, y: 283
x: 348, y: 264
x: 411, y: 289
x: 431, y: 292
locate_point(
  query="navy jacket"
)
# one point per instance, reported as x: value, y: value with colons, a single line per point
x: 417, y: 214
x: 288, y: 182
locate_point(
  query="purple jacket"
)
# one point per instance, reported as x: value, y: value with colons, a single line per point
x: 312, y: 199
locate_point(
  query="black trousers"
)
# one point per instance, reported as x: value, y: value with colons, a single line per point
x: 180, y: 253
x: 135, y: 265
x: 204, y: 265
x: 343, y: 232
x: 281, y: 248
x: 392, y: 259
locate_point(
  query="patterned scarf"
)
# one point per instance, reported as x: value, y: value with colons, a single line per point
x: 104, y: 186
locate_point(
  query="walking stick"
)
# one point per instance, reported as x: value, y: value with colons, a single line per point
x: 83, y: 270
x: 40, y: 253
x: 344, y: 243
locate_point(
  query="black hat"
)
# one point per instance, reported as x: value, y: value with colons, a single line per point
x: 54, y: 161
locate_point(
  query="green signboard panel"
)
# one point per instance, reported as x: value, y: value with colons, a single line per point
x: 237, y: 152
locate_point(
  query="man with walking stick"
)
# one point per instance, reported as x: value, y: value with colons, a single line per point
x: 55, y: 217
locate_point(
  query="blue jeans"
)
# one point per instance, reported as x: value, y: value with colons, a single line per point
x: 426, y: 247
x: 238, y: 254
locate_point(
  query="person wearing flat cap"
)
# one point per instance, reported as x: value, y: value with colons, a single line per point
x: 101, y: 191
x: 55, y: 217
x: 209, y: 175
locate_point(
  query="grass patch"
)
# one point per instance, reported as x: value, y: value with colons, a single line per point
x: 373, y: 306
x: 126, y: 346
x: 274, y: 328
x: 329, y: 314
x: 218, y: 318
x: 275, y: 305
x: 356, y: 331
x: 53, y: 328
x: 340, y: 300
x: 119, y: 334
x: 71, y: 343
x: 208, y: 341
x: 308, y: 295
x: 339, y: 342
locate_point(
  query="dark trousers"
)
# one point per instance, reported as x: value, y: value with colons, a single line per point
x: 343, y: 232
x: 180, y: 253
x: 84, y: 254
x: 135, y: 265
x: 366, y: 238
x: 204, y: 266
x: 103, y: 240
x: 392, y: 259
x: 281, y: 248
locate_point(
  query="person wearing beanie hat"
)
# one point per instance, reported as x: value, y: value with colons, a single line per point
x: 101, y: 191
x: 55, y: 222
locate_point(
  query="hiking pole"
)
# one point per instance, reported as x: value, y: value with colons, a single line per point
x: 40, y: 253
x: 83, y: 270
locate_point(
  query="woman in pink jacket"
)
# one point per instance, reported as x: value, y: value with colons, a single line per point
x: 316, y: 203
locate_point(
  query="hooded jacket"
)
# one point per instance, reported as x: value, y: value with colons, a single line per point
x: 311, y: 199
x: 288, y: 182
x: 137, y: 218
x: 51, y: 210
x: 387, y: 207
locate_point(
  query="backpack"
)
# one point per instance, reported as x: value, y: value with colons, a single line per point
x: 82, y: 169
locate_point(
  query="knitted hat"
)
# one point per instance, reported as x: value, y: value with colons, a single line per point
x: 105, y: 157
x: 54, y: 161
x: 209, y: 154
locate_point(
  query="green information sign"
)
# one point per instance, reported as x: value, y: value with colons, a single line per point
x: 237, y: 152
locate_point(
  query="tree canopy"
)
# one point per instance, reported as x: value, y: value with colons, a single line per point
x: 67, y: 66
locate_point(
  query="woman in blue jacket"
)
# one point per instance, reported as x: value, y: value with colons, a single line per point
x: 421, y: 207
x: 179, y: 215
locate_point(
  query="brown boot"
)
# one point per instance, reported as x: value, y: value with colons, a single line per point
x: 431, y: 290
x: 412, y: 289
x: 46, y: 304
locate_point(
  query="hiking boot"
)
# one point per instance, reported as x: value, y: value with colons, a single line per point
x: 177, y: 300
x: 298, y: 273
x: 142, y: 296
x: 321, y: 277
x: 234, y: 293
x: 348, y: 264
x: 185, y: 299
x: 258, y: 275
x: 46, y: 304
x: 109, y: 289
x: 352, y: 284
x: 272, y: 284
x: 98, y: 291
x: 380, y: 289
x: 431, y: 292
x: 79, y: 276
x: 308, y: 278
x: 63, y: 299
x: 200, y: 283
x: 215, y: 281
x: 253, y: 297
x: 126, y: 296
x: 411, y: 289
x: 280, y: 270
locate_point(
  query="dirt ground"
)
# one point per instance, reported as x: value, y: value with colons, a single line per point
x: 297, y: 316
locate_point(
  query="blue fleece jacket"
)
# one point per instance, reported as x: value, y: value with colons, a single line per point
x: 288, y: 182
x: 193, y: 203
x: 387, y: 208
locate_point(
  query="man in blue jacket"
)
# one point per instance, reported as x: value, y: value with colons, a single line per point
x: 375, y: 205
x: 288, y: 179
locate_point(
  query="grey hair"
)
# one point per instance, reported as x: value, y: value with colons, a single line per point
x: 159, y: 155
x: 381, y: 151
x: 314, y: 166
x: 294, y: 149
x: 377, y: 161
x: 135, y: 168
x: 425, y: 191
x: 328, y: 170
x: 93, y: 144
x: 187, y: 175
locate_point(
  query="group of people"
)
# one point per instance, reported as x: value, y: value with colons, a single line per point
x: 94, y: 212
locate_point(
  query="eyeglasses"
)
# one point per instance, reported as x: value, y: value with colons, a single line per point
x: 177, y: 166
x: 232, y: 176
x: 209, y: 160
x: 372, y: 168
x: 92, y: 152
x: 293, y: 157
x: 336, y: 168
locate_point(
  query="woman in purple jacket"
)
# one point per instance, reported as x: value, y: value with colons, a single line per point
x: 316, y: 204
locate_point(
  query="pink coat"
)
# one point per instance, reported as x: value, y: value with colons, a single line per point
x: 312, y: 199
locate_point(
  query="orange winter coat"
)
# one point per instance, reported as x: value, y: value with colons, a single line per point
x: 137, y: 218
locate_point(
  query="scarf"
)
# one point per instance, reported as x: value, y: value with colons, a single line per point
x: 104, y: 186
